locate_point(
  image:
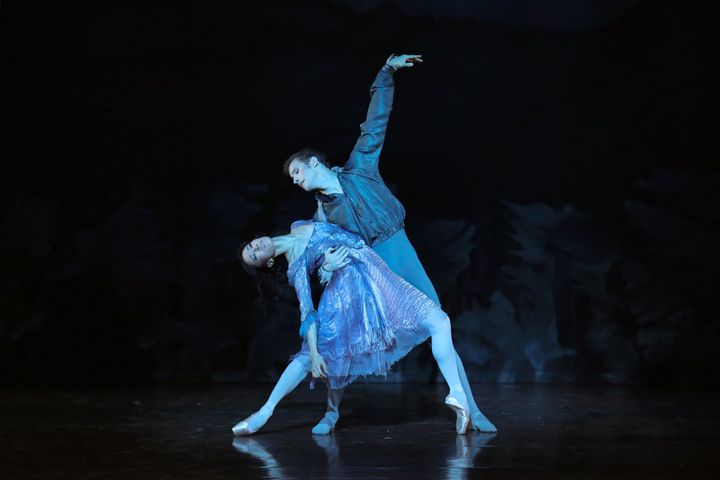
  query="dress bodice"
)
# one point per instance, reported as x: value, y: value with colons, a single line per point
x: 324, y: 236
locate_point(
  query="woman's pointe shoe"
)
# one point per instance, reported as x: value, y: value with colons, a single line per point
x: 463, y: 416
x: 243, y: 428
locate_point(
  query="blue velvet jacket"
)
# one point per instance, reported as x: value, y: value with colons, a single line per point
x: 371, y: 210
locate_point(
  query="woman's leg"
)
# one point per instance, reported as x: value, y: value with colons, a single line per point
x: 401, y: 257
x: 295, y: 372
x: 446, y: 357
x: 438, y: 324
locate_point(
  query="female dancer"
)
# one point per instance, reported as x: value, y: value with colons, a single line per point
x: 367, y: 319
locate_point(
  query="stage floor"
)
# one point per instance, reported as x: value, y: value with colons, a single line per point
x: 386, y: 431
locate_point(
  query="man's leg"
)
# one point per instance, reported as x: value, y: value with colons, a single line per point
x: 332, y: 414
x: 478, y: 421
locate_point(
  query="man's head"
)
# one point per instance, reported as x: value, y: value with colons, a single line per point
x: 303, y: 167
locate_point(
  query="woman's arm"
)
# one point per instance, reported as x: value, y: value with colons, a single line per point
x: 308, y: 323
x: 318, y: 369
x: 300, y: 280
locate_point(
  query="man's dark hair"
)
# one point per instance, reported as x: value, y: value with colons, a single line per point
x: 304, y: 156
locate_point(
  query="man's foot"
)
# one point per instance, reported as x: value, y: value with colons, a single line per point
x: 326, y: 425
x: 479, y: 422
x: 253, y: 423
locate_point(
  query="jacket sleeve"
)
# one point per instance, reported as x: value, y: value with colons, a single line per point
x: 366, y: 153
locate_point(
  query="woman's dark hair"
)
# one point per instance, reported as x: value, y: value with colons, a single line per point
x: 267, y: 279
x: 304, y: 156
x: 250, y: 269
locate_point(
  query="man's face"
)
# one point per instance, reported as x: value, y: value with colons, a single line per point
x: 303, y: 174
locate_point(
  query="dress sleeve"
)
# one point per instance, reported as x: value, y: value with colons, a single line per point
x: 300, y: 280
x: 366, y: 153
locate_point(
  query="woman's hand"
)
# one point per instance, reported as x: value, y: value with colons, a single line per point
x: 336, y: 258
x: 318, y: 369
x: 402, y: 61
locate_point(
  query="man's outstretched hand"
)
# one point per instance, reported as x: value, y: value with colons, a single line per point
x: 402, y: 61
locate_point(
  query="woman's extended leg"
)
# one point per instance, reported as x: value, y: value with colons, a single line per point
x: 438, y: 324
x: 295, y: 372
x: 401, y: 257
x: 449, y: 363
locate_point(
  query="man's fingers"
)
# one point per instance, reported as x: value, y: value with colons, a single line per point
x: 410, y: 60
x: 339, y: 258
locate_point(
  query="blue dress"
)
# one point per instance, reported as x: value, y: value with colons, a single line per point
x: 368, y: 317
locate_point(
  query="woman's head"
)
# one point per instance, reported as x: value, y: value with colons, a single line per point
x: 257, y: 253
x: 257, y: 258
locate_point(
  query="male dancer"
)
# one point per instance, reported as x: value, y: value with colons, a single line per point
x: 356, y: 198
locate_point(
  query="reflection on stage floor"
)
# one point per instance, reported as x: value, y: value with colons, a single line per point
x: 386, y: 431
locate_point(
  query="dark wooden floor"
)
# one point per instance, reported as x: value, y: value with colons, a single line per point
x: 387, y: 431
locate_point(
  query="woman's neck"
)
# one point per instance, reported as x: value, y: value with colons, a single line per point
x: 293, y: 244
x: 283, y: 244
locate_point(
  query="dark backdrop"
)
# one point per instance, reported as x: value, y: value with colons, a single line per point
x: 552, y: 156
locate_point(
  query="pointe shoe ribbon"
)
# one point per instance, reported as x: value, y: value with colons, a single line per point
x: 463, y: 416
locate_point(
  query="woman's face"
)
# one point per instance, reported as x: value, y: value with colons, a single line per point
x: 259, y: 252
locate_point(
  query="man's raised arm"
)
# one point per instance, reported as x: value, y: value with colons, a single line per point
x: 366, y: 153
